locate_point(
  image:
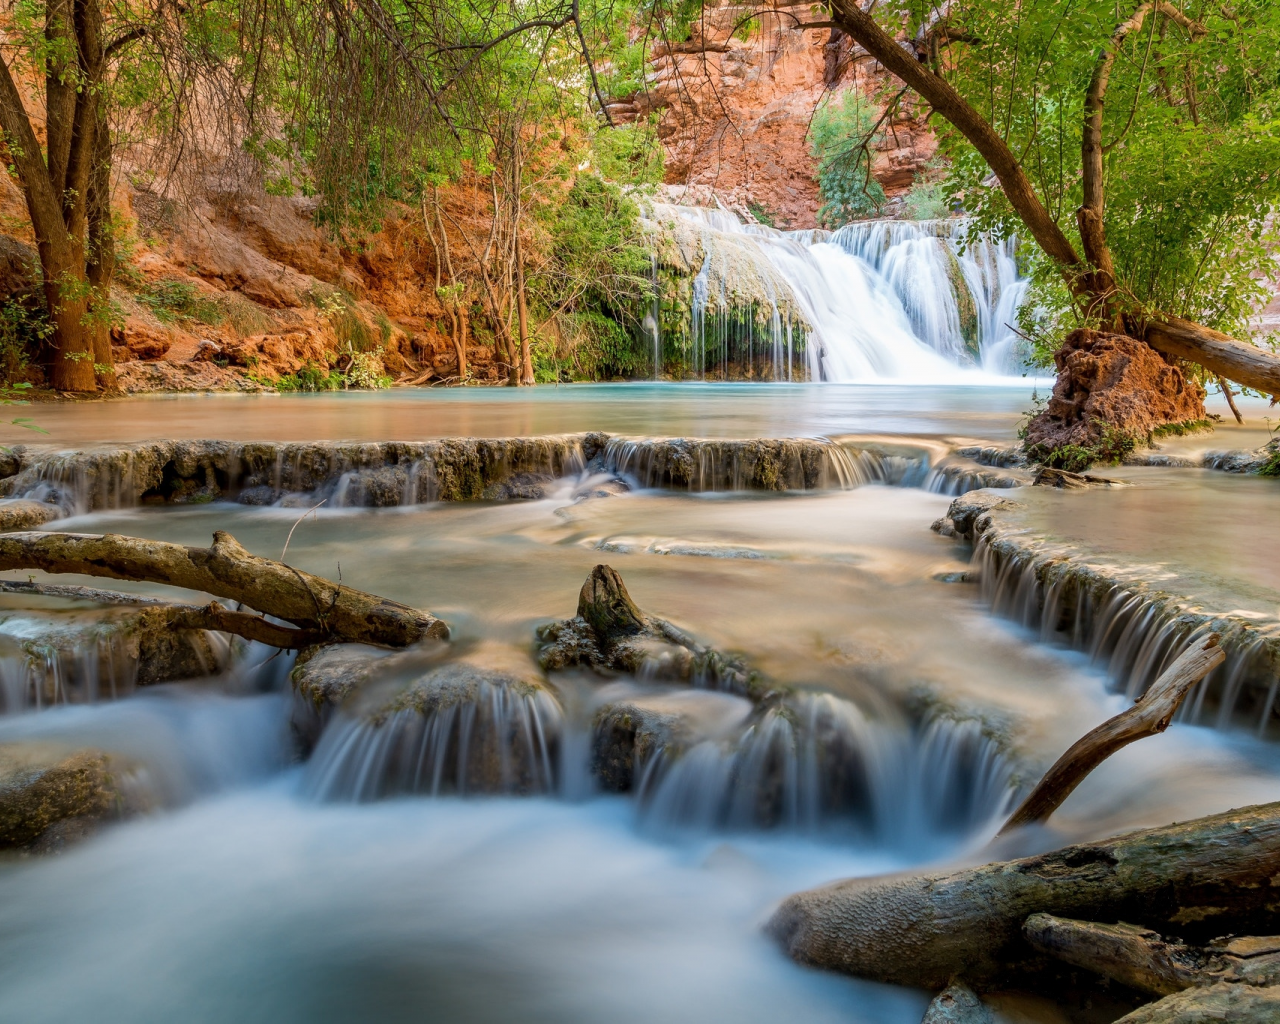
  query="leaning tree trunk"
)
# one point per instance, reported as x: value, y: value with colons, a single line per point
x: 1216, y: 352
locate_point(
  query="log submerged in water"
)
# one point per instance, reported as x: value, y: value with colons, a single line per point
x: 319, y: 608
x: 1212, y: 876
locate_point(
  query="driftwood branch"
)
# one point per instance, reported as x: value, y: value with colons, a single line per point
x: 1133, y: 956
x: 319, y: 608
x: 1151, y: 714
x: 1198, y: 878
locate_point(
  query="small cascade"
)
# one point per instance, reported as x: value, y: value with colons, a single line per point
x: 1136, y: 633
x: 877, y: 299
x: 796, y: 464
x: 39, y: 674
x: 955, y: 477
x: 487, y: 736
x: 819, y: 762
x: 342, y: 475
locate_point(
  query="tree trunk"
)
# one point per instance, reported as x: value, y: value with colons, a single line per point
x: 312, y: 603
x: 1204, y: 878
x: 1217, y: 352
x: 526, y: 358
x: 1150, y: 715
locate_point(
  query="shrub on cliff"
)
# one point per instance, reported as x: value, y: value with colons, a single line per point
x: 840, y: 138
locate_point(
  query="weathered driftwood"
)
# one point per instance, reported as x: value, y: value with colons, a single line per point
x: 1151, y: 714
x: 1127, y: 953
x: 611, y: 634
x: 1225, y: 1003
x: 319, y: 608
x: 1212, y: 876
x: 1144, y: 960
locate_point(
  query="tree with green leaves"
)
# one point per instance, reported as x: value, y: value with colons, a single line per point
x: 1136, y: 146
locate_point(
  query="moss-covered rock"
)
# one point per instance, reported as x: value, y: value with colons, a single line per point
x: 49, y: 795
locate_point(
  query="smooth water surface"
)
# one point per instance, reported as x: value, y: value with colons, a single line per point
x: 244, y: 897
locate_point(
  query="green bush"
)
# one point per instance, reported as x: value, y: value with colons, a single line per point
x: 1111, y: 448
x: 24, y: 325
x: 841, y: 137
x: 171, y: 300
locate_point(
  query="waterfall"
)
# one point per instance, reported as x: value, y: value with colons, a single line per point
x: 907, y: 300
x: 819, y: 761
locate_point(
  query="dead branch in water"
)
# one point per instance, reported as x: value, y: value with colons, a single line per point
x: 319, y: 608
x: 1151, y: 714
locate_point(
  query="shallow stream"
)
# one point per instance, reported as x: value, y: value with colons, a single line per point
x: 255, y: 891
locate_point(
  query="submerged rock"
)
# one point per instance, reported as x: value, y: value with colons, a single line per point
x: 611, y: 634
x: 957, y: 1004
x: 49, y: 796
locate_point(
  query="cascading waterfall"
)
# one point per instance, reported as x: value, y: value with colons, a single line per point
x: 913, y: 300
x: 1135, y: 635
x: 819, y: 762
x: 497, y: 738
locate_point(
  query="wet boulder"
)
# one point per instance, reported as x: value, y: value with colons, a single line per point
x: 610, y: 634
x: 59, y: 651
x: 20, y: 514
x: 50, y: 796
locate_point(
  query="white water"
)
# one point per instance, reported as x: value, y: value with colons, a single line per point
x: 876, y: 300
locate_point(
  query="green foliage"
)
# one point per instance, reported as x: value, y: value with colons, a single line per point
x: 24, y: 327
x: 840, y: 138
x: 310, y: 378
x: 1182, y: 429
x: 928, y: 199
x: 1111, y: 448
x: 1272, y: 465
x: 594, y: 282
x: 171, y: 300
x: 1191, y: 138
x: 629, y: 154
x: 761, y: 214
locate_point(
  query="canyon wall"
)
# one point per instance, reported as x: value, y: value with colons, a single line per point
x: 734, y: 110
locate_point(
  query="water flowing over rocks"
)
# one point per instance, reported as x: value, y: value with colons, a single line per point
x: 479, y: 722
x: 1135, y: 626
x: 59, y: 655
x: 796, y: 464
x: 40, y: 483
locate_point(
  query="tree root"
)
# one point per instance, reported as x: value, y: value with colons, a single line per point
x: 320, y: 609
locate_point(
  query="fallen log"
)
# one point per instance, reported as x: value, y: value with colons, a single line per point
x: 1230, y: 1004
x: 1208, y: 877
x: 1217, y: 352
x: 320, y: 609
x: 1142, y: 959
x: 1150, y: 715
x: 1133, y: 956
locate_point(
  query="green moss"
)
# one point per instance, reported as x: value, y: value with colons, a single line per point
x: 1182, y: 429
x: 1112, y: 447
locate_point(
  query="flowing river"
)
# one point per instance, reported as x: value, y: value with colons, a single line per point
x: 273, y: 882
